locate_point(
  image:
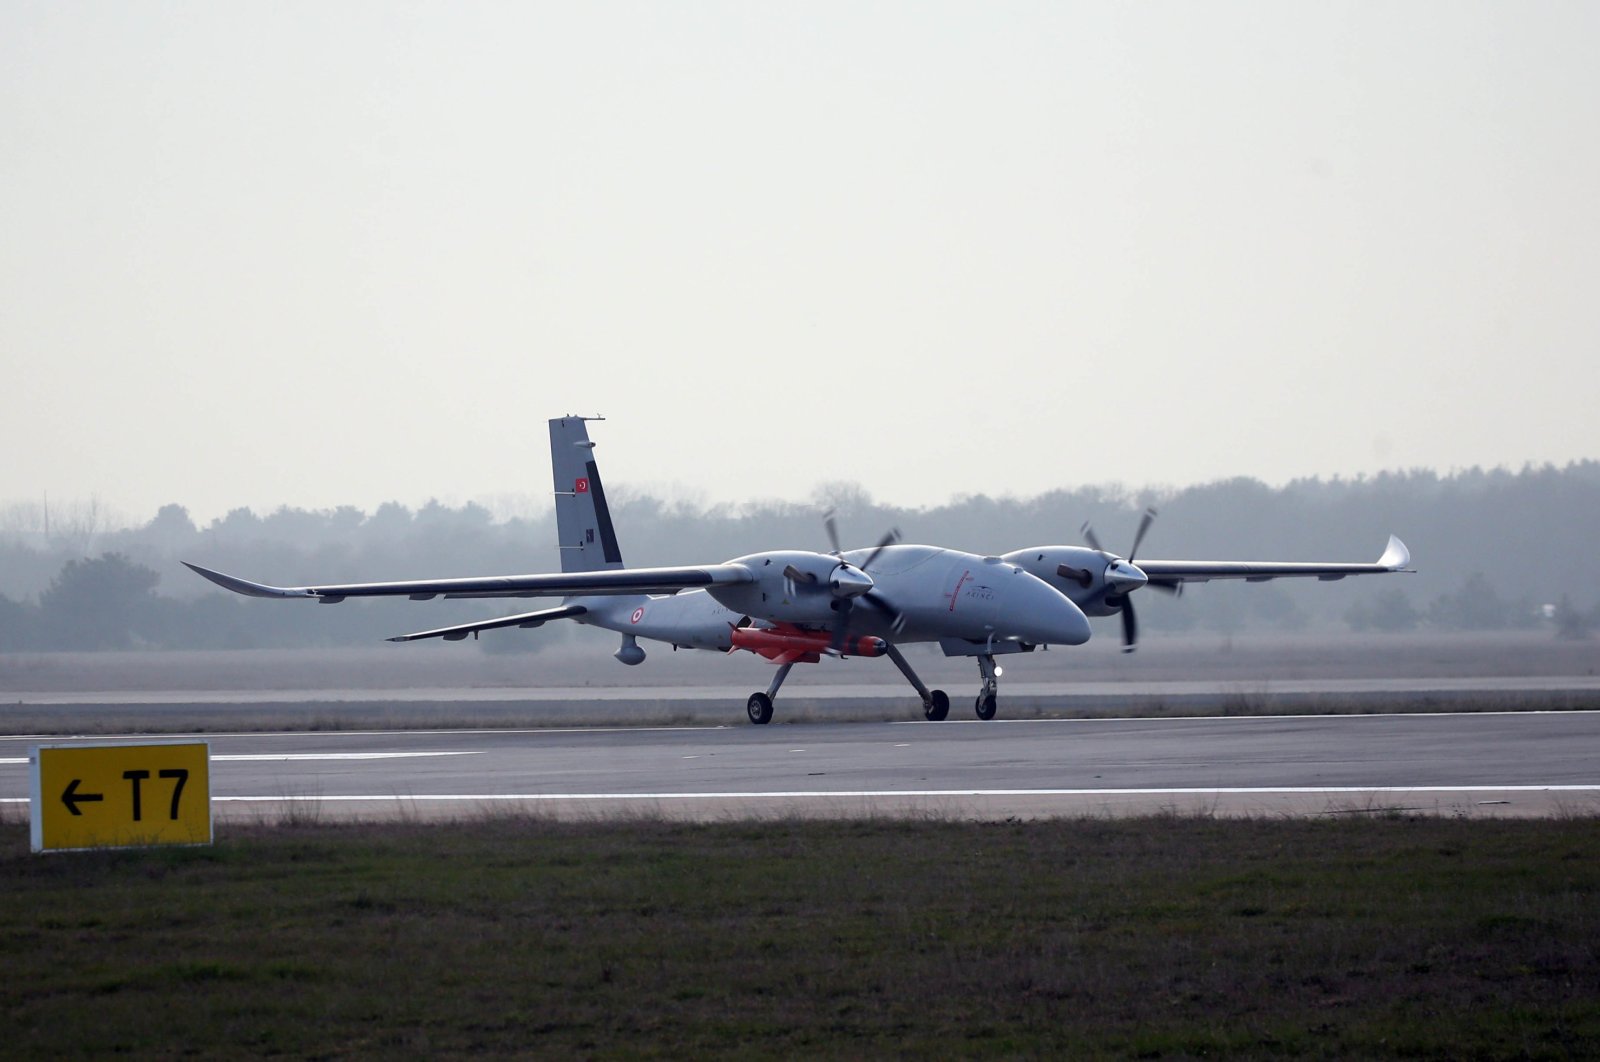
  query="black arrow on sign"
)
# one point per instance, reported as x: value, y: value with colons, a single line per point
x: 72, y: 798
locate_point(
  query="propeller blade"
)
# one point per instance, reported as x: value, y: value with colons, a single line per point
x: 1130, y: 627
x: 1090, y: 537
x: 896, y: 618
x: 841, y: 626
x: 883, y: 543
x: 832, y: 527
x: 1144, y: 525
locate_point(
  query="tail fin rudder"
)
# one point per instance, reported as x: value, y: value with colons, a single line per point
x: 587, y: 541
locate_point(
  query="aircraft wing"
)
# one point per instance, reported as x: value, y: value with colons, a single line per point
x: 562, y: 584
x: 526, y: 619
x: 1171, y: 573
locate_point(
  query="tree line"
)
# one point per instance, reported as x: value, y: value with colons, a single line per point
x: 1494, y: 549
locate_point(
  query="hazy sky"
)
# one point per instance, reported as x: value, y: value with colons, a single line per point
x: 314, y: 253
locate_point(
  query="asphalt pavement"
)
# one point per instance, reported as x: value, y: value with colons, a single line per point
x: 1479, y: 763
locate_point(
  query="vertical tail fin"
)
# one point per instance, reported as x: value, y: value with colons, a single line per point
x: 587, y: 540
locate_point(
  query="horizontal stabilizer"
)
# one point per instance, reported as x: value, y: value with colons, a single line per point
x: 526, y: 619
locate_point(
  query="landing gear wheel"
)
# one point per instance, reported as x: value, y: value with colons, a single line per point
x: 986, y: 706
x: 759, y: 708
x: 936, y: 707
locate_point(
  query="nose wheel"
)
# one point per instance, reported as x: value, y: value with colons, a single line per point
x: 988, y: 702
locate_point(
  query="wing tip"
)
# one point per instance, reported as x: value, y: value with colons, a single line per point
x: 245, y: 586
x: 1396, y: 557
x: 227, y: 582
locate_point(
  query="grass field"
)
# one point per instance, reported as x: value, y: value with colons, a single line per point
x: 1162, y: 937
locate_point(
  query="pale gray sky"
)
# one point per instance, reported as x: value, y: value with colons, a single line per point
x: 314, y: 254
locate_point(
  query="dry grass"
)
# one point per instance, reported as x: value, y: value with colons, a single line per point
x: 1166, y: 937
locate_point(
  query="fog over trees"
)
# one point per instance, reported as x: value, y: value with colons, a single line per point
x: 1493, y: 549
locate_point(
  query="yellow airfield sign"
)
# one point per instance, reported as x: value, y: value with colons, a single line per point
x: 120, y: 796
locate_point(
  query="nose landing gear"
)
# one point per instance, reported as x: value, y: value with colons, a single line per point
x: 988, y: 702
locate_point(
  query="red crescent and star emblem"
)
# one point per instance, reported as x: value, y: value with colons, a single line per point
x: 580, y: 487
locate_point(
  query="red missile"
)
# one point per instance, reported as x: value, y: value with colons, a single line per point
x: 791, y: 644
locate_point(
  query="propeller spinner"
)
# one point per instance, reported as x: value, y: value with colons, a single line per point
x: 1123, y: 577
x: 848, y: 582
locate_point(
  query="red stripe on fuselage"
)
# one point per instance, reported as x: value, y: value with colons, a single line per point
x: 954, y: 594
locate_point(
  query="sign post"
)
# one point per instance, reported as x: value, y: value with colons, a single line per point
x: 119, y: 796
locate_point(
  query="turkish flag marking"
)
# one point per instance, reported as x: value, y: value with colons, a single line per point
x: 581, y: 487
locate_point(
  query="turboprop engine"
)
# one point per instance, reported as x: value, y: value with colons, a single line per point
x: 1087, y: 576
x: 796, y: 587
x: 1097, y: 581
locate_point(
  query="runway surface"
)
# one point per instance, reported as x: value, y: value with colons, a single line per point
x: 175, y: 711
x: 1015, y: 692
x: 1484, y: 763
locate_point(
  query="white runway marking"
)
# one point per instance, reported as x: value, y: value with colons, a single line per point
x: 276, y: 757
x: 811, y: 794
x: 709, y: 728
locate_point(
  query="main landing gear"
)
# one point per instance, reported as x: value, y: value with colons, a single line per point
x: 759, y: 706
x: 935, y: 703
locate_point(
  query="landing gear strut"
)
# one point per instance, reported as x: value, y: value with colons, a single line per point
x: 935, y: 703
x: 759, y: 706
x: 988, y: 701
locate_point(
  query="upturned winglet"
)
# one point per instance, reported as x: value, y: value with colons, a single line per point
x: 245, y: 586
x: 1396, y: 558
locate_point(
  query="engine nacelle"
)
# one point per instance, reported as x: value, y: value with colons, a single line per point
x: 1076, y: 571
x: 793, y: 587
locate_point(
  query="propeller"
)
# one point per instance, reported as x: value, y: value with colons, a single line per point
x: 1138, y: 536
x: 890, y: 538
x: 832, y: 527
x: 1144, y: 525
x: 850, y: 582
x: 896, y: 618
x: 1123, y: 577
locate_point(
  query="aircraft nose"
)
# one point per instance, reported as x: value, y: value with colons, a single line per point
x: 1043, y: 615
